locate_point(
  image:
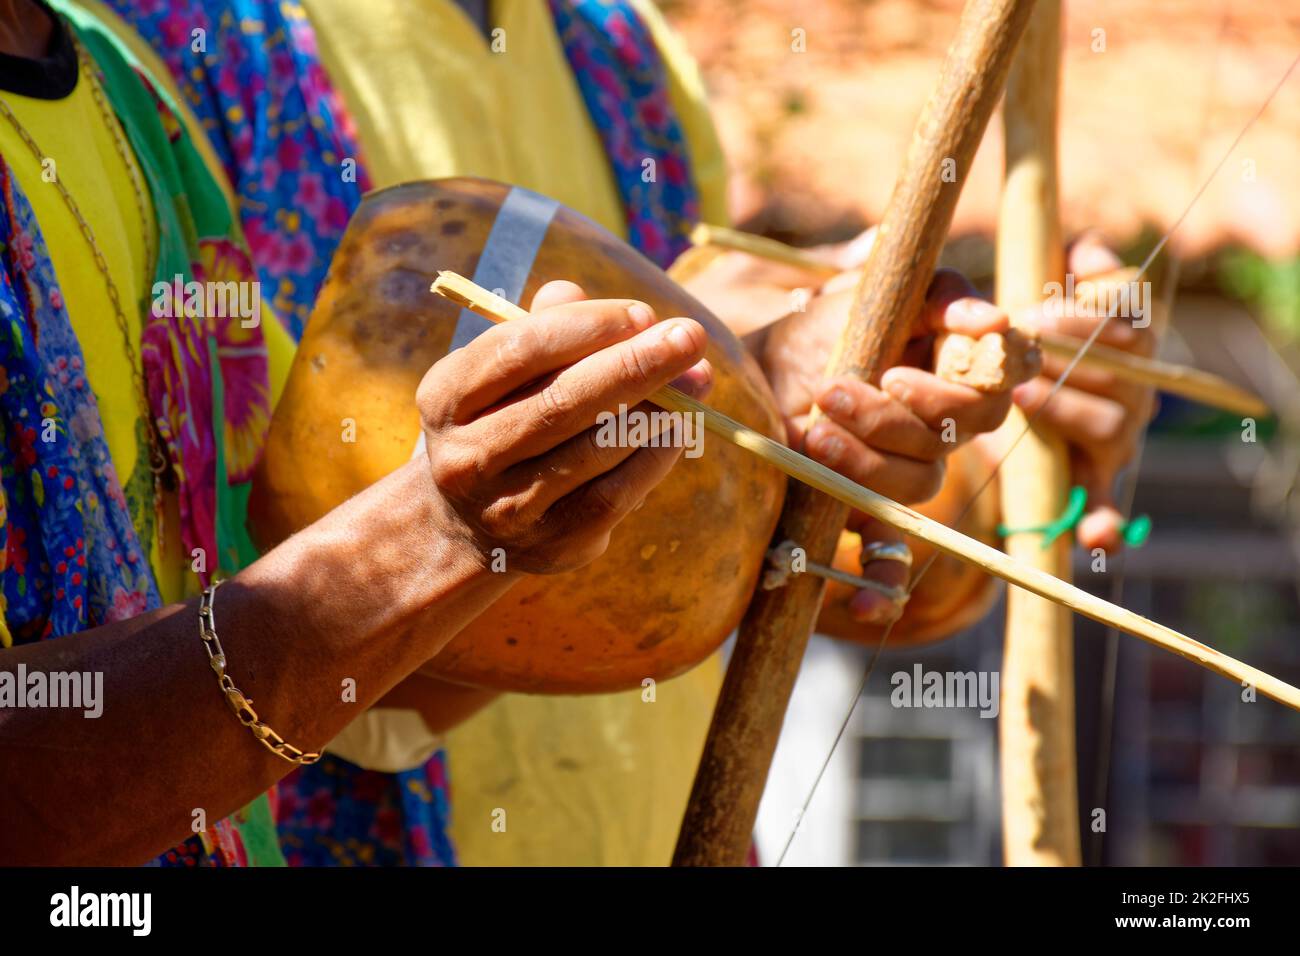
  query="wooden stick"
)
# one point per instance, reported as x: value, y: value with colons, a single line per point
x: 1190, y: 383
x: 705, y: 235
x: 1040, y: 807
x: 692, y: 262
x: 466, y: 293
x: 718, y: 824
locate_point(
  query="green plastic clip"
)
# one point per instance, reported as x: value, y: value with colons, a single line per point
x: 1135, y: 532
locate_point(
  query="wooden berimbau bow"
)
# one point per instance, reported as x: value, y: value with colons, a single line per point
x: 747, y: 721
x: 1040, y: 815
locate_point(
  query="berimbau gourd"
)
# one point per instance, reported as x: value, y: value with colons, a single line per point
x: 678, y: 573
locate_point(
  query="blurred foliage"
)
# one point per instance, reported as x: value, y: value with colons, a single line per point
x: 1186, y: 419
x: 1237, y: 613
x: 794, y: 102
x: 1271, y: 287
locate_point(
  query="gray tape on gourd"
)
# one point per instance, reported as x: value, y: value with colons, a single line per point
x: 506, y: 260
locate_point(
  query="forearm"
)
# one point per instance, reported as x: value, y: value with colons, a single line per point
x: 442, y: 704
x: 368, y: 594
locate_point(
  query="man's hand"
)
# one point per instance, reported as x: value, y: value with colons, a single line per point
x: 510, y: 424
x: 1099, y: 416
x: 893, y: 438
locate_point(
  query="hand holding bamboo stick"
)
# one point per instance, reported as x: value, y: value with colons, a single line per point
x: 471, y: 296
x: 1189, y: 383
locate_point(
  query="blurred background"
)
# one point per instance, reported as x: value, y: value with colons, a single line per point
x: 1155, y: 92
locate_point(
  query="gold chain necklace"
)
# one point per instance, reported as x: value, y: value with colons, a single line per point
x: 158, y: 463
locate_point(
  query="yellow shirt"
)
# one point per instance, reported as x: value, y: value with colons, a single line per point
x: 598, y: 780
x: 430, y: 98
x: 79, y: 147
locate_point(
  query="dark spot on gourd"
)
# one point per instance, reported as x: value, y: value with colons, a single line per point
x: 727, y: 568
x: 398, y: 241
x: 403, y: 286
x: 654, y: 638
x: 453, y: 227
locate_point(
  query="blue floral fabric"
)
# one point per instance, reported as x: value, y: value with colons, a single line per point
x: 72, y: 558
x: 250, y: 71
x: 334, y: 813
x: 625, y: 88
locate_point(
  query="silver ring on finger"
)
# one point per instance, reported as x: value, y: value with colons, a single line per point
x: 886, y: 551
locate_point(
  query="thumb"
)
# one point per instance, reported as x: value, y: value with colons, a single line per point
x: 557, y: 292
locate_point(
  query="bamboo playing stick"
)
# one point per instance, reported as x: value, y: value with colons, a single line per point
x: 467, y: 294
x: 705, y: 235
x: 1040, y: 808
x: 1190, y: 383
